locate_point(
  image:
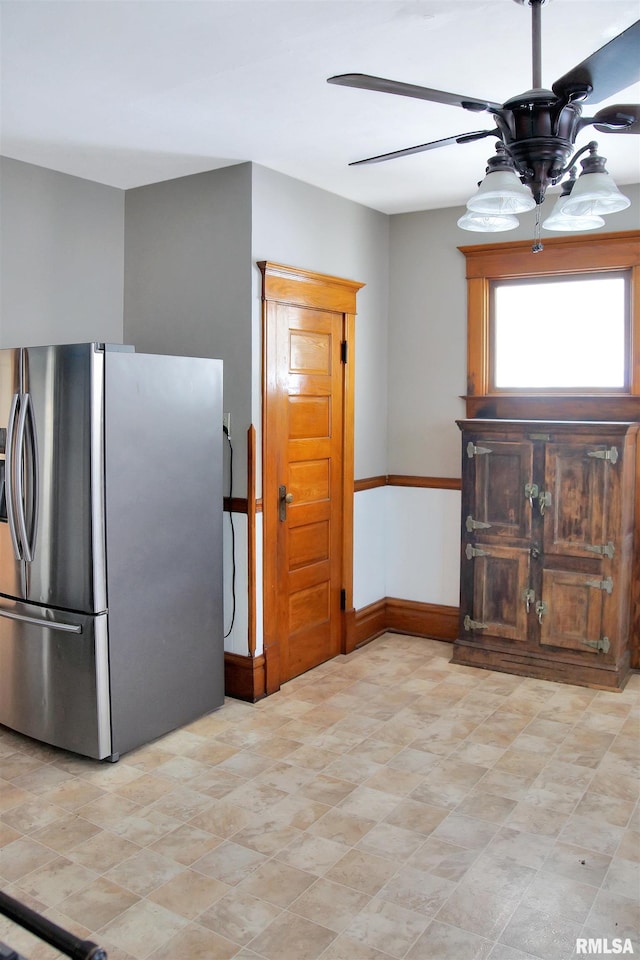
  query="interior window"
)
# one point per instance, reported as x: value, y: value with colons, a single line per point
x: 554, y: 335
x: 563, y: 333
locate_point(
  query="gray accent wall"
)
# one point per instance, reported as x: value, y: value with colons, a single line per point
x: 61, y: 257
x: 187, y: 284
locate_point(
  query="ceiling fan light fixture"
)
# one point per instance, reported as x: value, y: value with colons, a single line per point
x: 501, y: 193
x: 487, y: 223
x: 595, y: 193
x: 559, y: 220
x: 536, y: 133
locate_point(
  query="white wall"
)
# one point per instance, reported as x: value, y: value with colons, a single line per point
x: 61, y: 258
x: 406, y: 545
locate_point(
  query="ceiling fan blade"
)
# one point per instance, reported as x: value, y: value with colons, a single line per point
x: 363, y: 81
x: 610, y: 69
x: 433, y: 145
x: 618, y: 118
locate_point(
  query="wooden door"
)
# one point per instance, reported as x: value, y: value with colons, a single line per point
x: 307, y: 468
x: 500, y: 584
x: 503, y: 470
x: 579, y: 486
x: 574, y: 610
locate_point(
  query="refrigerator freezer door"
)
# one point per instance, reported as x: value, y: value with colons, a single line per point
x: 63, y: 482
x: 163, y: 461
x: 11, y: 563
x: 54, y: 677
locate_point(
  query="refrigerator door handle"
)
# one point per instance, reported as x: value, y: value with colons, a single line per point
x: 41, y: 622
x: 26, y: 415
x: 30, y: 548
x: 10, y: 475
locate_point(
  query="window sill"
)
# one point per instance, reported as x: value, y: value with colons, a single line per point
x: 502, y: 406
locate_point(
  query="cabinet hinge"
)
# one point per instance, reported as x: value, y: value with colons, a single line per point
x: 611, y: 455
x: 472, y: 524
x: 604, y: 549
x: 344, y: 348
x: 602, y: 645
x: 472, y: 552
x: 470, y: 624
x: 474, y: 451
x: 601, y: 584
x: 343, y: 599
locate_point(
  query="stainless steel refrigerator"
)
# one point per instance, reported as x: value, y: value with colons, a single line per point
x: 111, y: 629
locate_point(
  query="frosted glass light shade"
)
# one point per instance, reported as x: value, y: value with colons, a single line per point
x: 500, y: 194
x: 595, y: 194
x: 559, y: 220
x: 486, y: 223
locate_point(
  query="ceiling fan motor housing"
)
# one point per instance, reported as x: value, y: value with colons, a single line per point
x: 539, y: 132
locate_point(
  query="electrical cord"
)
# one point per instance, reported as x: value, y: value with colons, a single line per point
x: 233, y: 534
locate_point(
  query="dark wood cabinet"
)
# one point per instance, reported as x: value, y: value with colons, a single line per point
x: 547, y: 586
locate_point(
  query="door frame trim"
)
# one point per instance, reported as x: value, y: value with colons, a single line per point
x: 304, y: 288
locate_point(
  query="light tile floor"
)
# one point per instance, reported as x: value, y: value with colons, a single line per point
x: 388, y: 804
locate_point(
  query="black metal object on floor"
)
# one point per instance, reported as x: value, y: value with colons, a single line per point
x: 50, y: 932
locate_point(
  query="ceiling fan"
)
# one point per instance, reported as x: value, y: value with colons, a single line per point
x: 537, y: 129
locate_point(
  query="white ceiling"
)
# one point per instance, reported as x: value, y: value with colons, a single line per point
x: 130, y: 92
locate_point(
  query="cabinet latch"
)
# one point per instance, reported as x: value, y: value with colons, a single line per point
x: 604, y: 549
x: 472, y: 552
x: 601, y: 584
x: 544, y: 501
x: 472, y: 524
x: 470, y: 624
x: 611, y: 455
x: 474, y: 451
x: 602, y: 645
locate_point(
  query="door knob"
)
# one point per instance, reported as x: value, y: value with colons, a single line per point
x: 284, y: 498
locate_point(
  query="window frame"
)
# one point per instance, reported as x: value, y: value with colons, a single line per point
x: 615, y: 252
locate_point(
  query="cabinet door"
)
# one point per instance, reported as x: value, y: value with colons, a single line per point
x: 500, y: 584
x: 574, y: 610
x: 579, y: 482
x: 502, y: 471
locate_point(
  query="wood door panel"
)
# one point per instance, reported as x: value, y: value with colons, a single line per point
x: 575, y: 609
x: 580, y: 490
x: 309, y: 543
x: 500, y: 579
x: 500, y: 480
x: 309, y: 607
x: 309, y: 417
x: 310, y: 351
x: 311, y: 574
x: 309, y: 481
